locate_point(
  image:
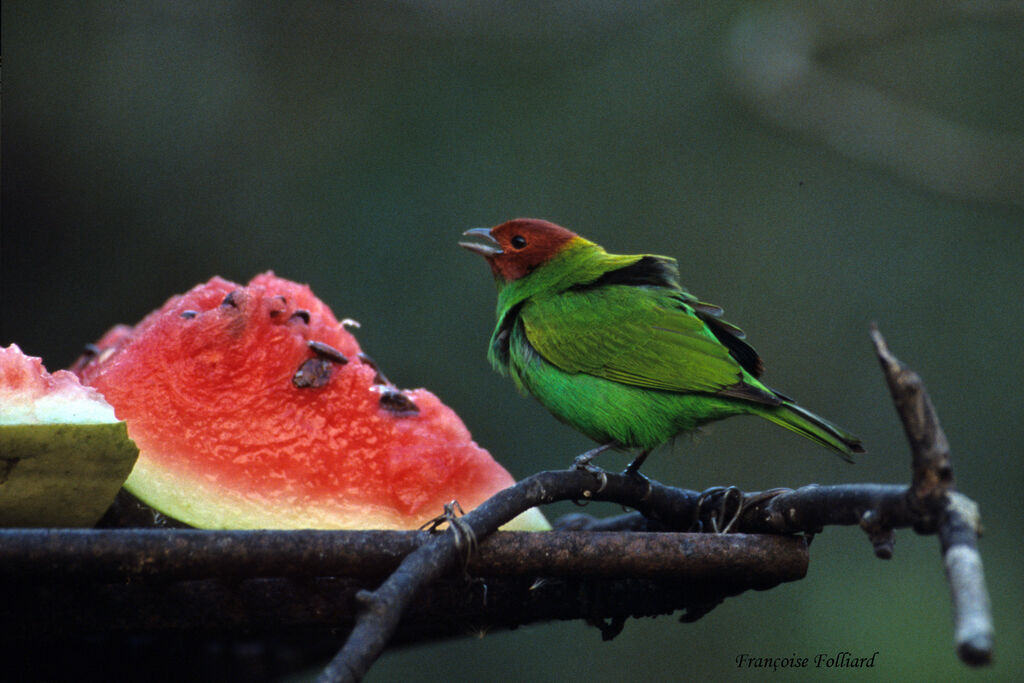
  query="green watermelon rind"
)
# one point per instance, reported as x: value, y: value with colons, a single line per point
x: 206, y: 505
x: 61, y: 475
x: 63, y: 453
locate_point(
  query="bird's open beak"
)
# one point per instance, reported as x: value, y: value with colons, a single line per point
x: 486, y: 250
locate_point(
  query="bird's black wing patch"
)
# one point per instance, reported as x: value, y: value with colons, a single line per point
x: 730, y: 335
x: 648, y: 271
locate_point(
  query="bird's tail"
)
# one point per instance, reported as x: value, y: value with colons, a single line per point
x: 817, y: 429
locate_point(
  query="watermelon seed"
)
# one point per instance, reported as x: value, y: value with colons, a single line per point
x: 397, y: 403
x: 89, y: 353
x: 188, y: 315
x: 231, y: 299
x: 379, y: 378
x: 313, y: 373
x: 327, y: 351
x: 278, y: 311
x: 301, y: 313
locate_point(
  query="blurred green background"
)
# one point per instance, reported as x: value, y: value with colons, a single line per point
x: 150, y: 146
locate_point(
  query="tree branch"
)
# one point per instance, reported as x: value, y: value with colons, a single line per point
x: 933, y: 494
x: 42, y: 555
x: 927, y: 505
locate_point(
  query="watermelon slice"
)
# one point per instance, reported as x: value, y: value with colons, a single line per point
x: 253, y: 407
x: 63, y: 454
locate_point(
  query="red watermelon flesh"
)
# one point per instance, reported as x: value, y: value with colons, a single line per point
x: 31, y: 395
x: 253, y: 407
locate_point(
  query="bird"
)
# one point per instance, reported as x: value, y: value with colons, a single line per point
x: 615, y: 347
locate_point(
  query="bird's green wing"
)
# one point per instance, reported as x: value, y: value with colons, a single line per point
x: 645, y: 337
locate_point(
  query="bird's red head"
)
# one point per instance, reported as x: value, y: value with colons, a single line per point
x: 513, y: 249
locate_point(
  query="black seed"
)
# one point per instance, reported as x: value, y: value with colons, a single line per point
x: 90, y: 352
x: 397, y: 403
x: 379, y: 378
x: 327, y: 351
x: 278, y: 311
x: 188, y: 315
x: 313, y: 373
x: 301, y: 314
x: 232, y: 299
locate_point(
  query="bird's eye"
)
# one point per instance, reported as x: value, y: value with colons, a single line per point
x: 518, y: 241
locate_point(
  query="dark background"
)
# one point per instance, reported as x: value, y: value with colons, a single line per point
x: 150, y: 146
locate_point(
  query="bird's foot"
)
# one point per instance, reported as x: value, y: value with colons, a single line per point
x: 715, y: 503
x: 449, y: 515
x: 602, y: 479
x: 582, y: 461
x: 462, y: 534
x: 762, y: 497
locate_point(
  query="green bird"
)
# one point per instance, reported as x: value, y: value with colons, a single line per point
x: 613, y: 346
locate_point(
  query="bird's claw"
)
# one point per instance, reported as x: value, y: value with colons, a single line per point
x: 582, y: 464
x: 720, y: 497
x: 462, y: 534
x: 449, y: 515
x: 762, y: 497
x: 724, y: 495
x: 602, y: 478
x: 582, y: 461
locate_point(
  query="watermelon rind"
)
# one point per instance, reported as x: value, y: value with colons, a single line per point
x: 63, y: 453
x: 61, y: 475
x: 205, y: 505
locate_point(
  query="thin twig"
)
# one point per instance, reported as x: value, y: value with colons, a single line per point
x: 956, y: 518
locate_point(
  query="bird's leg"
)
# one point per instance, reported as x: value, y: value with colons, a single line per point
x: 634, y: 467
x: 582, y: 461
